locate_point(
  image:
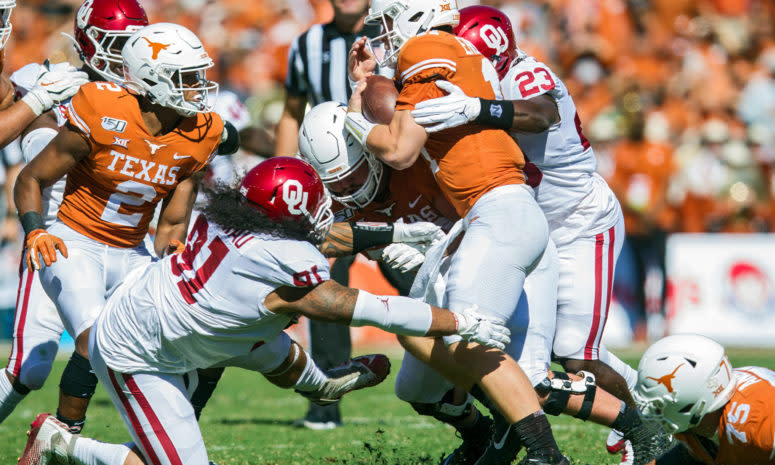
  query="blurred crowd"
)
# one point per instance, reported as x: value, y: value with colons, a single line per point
x: 676, y: 96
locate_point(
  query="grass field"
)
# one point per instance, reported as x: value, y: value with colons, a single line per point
x: 249, y: 421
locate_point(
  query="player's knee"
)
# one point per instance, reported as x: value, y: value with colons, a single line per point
x: 33, y: 376
x: 557, y: 391
x: 78, y: 379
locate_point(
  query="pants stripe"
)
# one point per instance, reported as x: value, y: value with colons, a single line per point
x: 21, y: 319
x: 588, y: 348
x: 135, y: 421
x: 156, y: 426
x: 611, y: 265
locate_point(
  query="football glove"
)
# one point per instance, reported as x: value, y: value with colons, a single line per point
x: 475, y: 327
x: 414, y: 233
x: 45, y: 244
x: 403, y: 257
x: 54, y: 87
x: 455, y: 109
x: 174, y: 247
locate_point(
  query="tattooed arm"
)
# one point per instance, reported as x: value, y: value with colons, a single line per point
x: 333, y: 303
x: 339, y: 242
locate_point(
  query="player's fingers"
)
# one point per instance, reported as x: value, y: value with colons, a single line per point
x: 62, y: 248
x: 436, y: 128
x: 448, y: 87
x: 29, y: 260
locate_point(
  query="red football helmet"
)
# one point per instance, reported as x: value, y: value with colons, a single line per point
x: 289, y: 188
x: 491, y: 33
x: 101, y: 29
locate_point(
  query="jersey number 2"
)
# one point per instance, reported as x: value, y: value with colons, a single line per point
x: 189, y: 286
x: 127, y: 193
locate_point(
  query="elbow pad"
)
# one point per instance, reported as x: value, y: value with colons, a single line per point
x: 229, y: 140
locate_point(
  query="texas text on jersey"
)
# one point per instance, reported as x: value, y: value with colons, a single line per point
x: 462, y: 175
x: 111, y: 195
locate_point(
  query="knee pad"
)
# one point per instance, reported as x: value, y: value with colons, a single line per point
x: 444, y: 410
x: 560, y: 388
x: 78, y: 379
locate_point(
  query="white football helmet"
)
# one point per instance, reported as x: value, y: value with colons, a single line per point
x: 166, y: 63
x: 350, y: 173
x: 6, y: 6
x: 681, y: 379
x: 404, y: 19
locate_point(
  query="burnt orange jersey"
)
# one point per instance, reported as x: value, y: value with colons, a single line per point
x: 746, y: 430
x: 411, y: 195
x: 111, y: 194
x: 467, y: 161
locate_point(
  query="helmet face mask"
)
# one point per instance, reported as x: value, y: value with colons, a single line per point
x: 401, y: 20
x: 167, y: 63
x: 681, y: 379
x: 102, y: 27
x: 352, y: 175
x: 6, y: 7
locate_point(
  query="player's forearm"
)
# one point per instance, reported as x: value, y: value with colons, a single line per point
x: 399, y: 144
x: 27, y: 193
x: 346, y: 239
x: 533, y: 115
x: 15, y: 119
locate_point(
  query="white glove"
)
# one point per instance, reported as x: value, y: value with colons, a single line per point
x: 420, y: 232
x: 455, y: 109
x: 475, y: 327
x: 403, y: 257
x: 53, y: 87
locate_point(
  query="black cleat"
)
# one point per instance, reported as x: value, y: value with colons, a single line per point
x: 473, y: 446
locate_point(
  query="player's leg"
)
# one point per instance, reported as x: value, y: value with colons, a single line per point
x: 506, y: 235
x: 587, y: 268
x: 36, y: 334
x: 77, y: 285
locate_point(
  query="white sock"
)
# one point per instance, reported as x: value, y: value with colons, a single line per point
x: 629, y: 374
x: 312, y: 378
x: 90, y: 452
x: 9, y: 397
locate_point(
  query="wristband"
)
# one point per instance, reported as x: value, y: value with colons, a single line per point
x: 368, y: 235
x: 496, y: 113
x: 31, y: 221
x: 358, y: 126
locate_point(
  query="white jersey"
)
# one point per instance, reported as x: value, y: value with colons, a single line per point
x: 206, y: 305
x: 574, y: 198
x: 23, y: 80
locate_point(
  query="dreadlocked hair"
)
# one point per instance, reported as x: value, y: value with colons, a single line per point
x: 227, y: 208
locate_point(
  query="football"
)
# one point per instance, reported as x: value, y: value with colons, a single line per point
x: 379, y: 99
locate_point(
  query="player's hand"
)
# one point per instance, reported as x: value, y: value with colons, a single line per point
x: 355, y: 105
x: 420, y: 232
x: 455, y: 109
x: 475, y: 327
x: 54, y: 87
x: 40, y: 242
x: 174, y: 247
x: 360, y: 60
x: 403, y: 257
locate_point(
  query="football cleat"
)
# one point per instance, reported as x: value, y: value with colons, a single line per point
x: 48, y: 442
x: 358, y: 373
x: 616, y: 444
x: 473, y: 445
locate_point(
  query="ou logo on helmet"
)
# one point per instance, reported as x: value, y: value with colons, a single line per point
x: 295, y: 197
x: 494, y: 37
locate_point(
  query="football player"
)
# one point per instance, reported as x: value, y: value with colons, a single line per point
x: 371, y: 191
x: 124, y: 149
x: 479, y: 171
x: 200, y: 308
x: 51, y: 86
x: 720, y: 415
x: 37, y: 326
x: 584, y: 216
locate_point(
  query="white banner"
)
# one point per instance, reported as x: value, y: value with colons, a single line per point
x: 721, y: 286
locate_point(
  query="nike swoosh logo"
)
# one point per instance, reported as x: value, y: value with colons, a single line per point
x: 499, y: 445
x: 44, y: 84
x: 412, y: 204
x: 180, y: 157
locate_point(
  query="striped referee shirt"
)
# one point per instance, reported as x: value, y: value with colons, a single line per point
x: 317, y: 63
